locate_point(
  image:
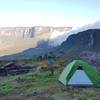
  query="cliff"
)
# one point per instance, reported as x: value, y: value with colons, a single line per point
x: 29, y: 32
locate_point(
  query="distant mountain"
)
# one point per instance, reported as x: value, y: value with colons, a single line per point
x: 61, y: 38
x: 26, y: 54
x: 83, y: 45
x: 74, y: 43
x: 16, y: 39
x: 30, y: 32
x: 89, y: 40
x: 17, y: 32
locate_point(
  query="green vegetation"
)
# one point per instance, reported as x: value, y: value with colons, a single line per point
x: 22, y: 87
x: 27, y: 84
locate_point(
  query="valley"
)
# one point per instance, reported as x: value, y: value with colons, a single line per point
x: 17, y: 45
x: 16, y: 39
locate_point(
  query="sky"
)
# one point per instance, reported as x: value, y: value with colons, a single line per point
x: 75, y: 13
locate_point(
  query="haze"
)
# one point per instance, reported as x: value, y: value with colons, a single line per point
x: 74, y: 13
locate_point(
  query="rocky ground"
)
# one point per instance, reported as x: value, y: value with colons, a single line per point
x: 91, y: 57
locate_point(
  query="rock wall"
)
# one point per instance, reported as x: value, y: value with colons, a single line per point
x: 28, y: 32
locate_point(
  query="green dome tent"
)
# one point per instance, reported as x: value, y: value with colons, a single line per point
x: 79, y: 73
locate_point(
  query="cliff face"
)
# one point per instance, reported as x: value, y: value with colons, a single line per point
x: 87, y: 39
x: 17, y: 32
x: 29, y: 32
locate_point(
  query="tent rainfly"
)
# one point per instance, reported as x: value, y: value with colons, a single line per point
x: 79, y: 73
